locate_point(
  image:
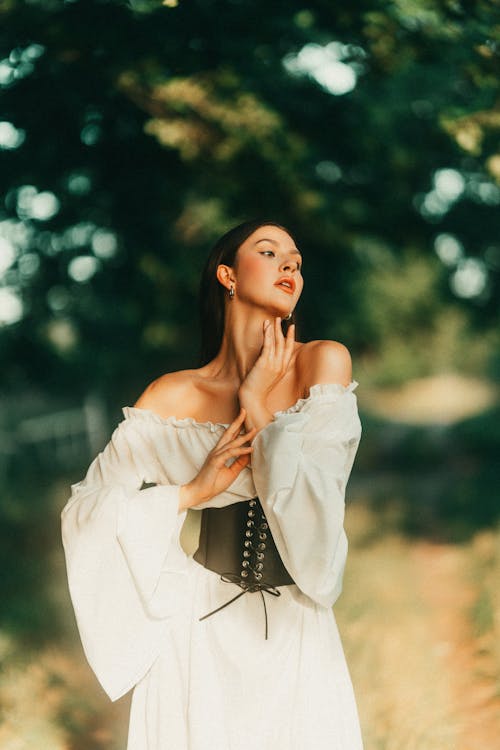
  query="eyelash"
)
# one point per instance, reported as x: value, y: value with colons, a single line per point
x: 263, y: 252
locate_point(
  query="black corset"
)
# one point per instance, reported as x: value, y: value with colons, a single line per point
x: 236, y: 542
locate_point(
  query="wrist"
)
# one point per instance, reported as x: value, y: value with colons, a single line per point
x: 187, y: 497
x: 258, y: 414
x: 254, y: 398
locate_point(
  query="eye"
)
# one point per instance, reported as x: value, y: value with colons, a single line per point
x: 264, y: 252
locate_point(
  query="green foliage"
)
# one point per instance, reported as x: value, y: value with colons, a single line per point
x: 438, y: 482
x: 137, y: 133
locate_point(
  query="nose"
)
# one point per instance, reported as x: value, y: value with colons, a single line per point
x: 289, y: 265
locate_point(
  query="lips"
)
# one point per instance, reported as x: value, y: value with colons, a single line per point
x: 286, y: 284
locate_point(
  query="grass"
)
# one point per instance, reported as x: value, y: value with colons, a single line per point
x: 419, y: 621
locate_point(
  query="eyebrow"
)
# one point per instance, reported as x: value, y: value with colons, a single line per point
x: 266, y: 239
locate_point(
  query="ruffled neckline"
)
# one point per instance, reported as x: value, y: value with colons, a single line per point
x: 319, y: 389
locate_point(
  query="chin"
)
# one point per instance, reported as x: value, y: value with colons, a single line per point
x: 277, y: 311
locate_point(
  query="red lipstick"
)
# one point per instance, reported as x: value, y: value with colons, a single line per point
x: 287, y: 284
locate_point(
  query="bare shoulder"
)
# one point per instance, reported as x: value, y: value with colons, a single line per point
x: 164, y: 394
x: 324, y: 361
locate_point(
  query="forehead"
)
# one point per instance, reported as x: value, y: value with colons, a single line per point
x: 274, y: 236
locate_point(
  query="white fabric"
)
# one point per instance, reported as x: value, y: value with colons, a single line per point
x: 218, y: 684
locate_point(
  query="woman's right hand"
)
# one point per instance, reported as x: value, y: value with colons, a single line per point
x: 214, y: 476
x: 271, y: 365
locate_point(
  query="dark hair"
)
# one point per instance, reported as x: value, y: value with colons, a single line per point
x: 212, y: 294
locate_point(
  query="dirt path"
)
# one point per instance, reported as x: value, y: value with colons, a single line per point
x: 447, y: 590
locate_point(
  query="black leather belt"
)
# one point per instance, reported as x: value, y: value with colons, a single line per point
x: 236, y: 542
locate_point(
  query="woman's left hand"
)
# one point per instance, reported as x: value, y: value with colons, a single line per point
x: 269, y: 368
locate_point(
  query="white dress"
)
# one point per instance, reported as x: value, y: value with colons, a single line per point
x: 218, y: 684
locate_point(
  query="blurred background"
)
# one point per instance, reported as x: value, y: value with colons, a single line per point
x: 132, y: 135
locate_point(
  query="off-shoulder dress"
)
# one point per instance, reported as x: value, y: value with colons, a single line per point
x: 218, y: 684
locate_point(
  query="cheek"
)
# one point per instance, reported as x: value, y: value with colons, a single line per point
x: 251, y: 269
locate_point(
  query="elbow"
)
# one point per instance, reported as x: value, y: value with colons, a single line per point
x: 325, y: 594
x: 329, y: 595
x: 324, y: 586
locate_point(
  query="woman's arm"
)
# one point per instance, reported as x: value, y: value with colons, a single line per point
x: 301, y: 464
x: 316, y: 362
x: 164, y: 396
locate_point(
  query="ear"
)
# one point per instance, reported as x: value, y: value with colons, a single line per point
x: 225, y: 275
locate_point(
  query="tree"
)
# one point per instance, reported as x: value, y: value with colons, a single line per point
x: 134, y: 136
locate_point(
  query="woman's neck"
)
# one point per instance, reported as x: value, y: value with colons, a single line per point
x: 241, y: 344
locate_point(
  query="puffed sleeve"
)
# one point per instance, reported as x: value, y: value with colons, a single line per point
x: 301, y: 463
x: 124, y: 563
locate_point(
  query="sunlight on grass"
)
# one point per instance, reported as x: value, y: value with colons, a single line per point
x: 51, y: 700
x: 409, y: 617
x: 419, y: 622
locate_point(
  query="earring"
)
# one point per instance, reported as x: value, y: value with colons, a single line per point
x: 288, y: 317
x: 231, y: 292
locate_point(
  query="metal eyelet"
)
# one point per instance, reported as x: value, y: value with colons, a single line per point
x: 253, y: 553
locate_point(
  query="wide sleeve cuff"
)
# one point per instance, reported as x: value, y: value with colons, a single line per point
x: 124, y: 562
x: 146, y: 524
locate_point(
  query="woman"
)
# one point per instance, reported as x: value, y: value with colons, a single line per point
x: 236, y: 647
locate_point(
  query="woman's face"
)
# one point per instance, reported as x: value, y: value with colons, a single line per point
x: 267, y: 271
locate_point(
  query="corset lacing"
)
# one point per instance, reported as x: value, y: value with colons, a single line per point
x: 251, y: 575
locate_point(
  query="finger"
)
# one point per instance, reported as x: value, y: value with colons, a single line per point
x: 279, y: 341
x: 266, y: 344
x: 227, y: 453
x: 268, y: 341
x: 235, y: 443
x: 239, y: 464
x: 233, y: 429
x: 289, y: 343
x: 239, y: 443
x: 272, y: 341
x: 243, y: 438
x: 238, y: 451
